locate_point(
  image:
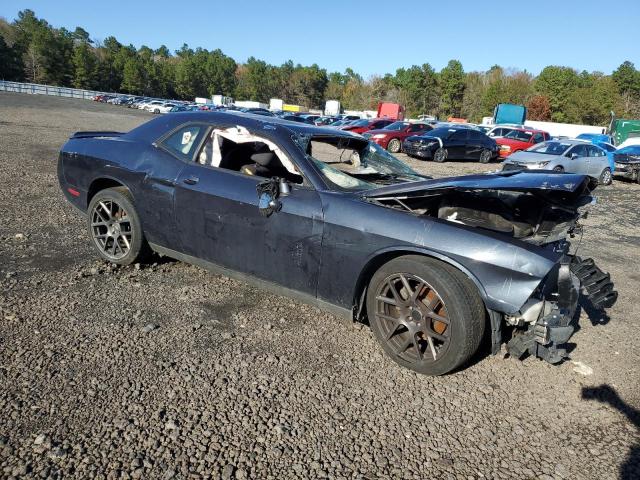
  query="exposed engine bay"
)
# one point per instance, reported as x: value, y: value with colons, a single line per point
x: 523, y: 215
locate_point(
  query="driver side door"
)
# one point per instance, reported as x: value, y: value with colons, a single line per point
x: 578, y: 160
x: 219, y: 221
x: 456, y: 144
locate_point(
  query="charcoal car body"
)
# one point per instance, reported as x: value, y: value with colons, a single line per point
x: 334, y: 220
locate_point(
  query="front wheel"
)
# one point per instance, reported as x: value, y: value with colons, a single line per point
x: 115, y: 228
x: 426, y: 314
x: 440, y: 155
x: 605, y: 177
x: 394, y: 145
x: 558, y: 168
x: 485, y: 156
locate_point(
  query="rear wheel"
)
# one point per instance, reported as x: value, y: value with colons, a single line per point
x: 485, y: 156
x: 394, y: 145
x: 115, y: 228
x: 440, y: 155
x: 605, y: 177
x: 426, y: 315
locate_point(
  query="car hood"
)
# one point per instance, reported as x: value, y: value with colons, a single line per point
x: 565, y: 183
x: 381, y: 130
x: 510, y: 141
x: 626, y: 158
x: 530, y: 157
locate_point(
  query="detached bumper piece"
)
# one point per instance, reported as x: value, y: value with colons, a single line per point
x: 597, y: 285
x: 546, y: 337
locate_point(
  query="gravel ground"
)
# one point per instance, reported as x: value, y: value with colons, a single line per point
x: 167, y: 371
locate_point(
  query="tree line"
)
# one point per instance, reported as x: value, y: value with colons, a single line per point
x: 32, y: 50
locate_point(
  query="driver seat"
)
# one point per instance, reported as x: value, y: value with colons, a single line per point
x: 261, y: 164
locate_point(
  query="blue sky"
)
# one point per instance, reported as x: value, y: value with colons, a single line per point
x: 372, y: 37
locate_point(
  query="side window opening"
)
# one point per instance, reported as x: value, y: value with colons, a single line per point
x: 184, y: 141
x: 238, y: 150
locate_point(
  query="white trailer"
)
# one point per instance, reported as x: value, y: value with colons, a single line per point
x: 250, y: 104
x: 276, y: 104
x: 332, y: 108
x: 570, y: 130
x: 222, y: 100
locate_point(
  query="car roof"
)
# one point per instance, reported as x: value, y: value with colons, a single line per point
x: 525, y: 129
x: 156, y: 127
x: 573, y: 141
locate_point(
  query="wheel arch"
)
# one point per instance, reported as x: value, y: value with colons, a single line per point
x: 384, y: 256
x: 102, y: 183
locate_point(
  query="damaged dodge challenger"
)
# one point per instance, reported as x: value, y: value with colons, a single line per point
x: 434, y: 266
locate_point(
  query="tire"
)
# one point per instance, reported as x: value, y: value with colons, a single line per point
x: 115, y: 228
x: 394, y: 145
x: 402, y: 332
x: 156, y: 111
x: 605, y: 177
x: 440, y: 155
x: 558, y: 168
x: 485, y: 156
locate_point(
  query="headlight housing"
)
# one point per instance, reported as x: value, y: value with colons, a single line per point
x: 379, y: 135
x: 543, y: 164
x: 506, y: 148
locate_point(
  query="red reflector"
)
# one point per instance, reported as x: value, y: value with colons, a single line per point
x: 73, y: 192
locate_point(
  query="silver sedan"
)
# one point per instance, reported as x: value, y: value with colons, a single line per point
x: 572, y: 156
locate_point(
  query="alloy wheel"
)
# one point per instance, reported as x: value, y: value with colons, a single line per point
x: 111, y: 229
x: 413, y: 318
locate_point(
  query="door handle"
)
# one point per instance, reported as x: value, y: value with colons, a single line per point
x: 162, y: 181
x: 191, y: 180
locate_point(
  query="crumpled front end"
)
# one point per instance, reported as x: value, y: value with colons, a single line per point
x: 548, y: 319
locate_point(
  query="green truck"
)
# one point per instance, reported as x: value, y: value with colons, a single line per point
x: 622, y: 129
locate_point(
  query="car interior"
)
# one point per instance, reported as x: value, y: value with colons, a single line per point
x: 239, y: 150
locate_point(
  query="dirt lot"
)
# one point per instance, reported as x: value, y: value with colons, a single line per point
x: 236, y: 383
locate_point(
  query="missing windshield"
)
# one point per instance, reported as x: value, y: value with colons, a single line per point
x: 353, y: 163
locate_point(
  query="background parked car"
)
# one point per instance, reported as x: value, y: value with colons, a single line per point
x: 596, y: 138
x: 364, y: 125
x: 323, y: 121
x: 452, y: 143
x: 500, y: 130
x: 296, y: 118
x: 627, y: 162
x: 258, y: 111
x: 392, y: 136
x: 572, y: 156
x: 520, y: 139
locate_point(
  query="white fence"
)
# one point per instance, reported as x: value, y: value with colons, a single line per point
x: 35, y: 89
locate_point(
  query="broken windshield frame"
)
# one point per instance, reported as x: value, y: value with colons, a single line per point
x: 371, y: 163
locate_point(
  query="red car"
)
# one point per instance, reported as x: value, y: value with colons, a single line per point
x: 392, y: 136
x: 519, y: 139
x: 364, y: 125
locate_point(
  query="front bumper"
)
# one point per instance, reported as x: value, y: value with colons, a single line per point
x: 627, y: 170
x: 547, y: 335
x: 417, y: 150
x: 383, y: 142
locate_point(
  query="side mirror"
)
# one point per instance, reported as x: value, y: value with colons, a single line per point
x: 573, y: 156
x: 268, y: 193
x: 285, y: 189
